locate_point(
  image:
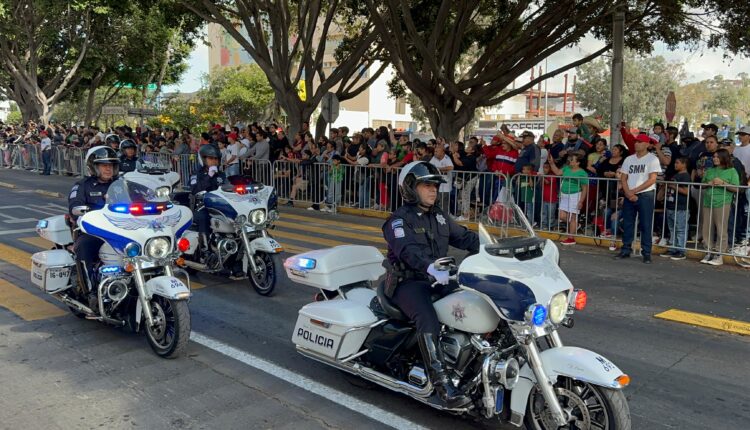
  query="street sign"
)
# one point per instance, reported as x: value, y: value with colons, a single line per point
x: 330, y: 108
x: 113, y: 110
x: 671, y: 108
x: 142, y: 112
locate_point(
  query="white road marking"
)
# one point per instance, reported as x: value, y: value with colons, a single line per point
x: 328, y: 393
x: 20, y: 230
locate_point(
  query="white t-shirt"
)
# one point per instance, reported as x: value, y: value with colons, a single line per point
x: 445, y: 162
x: 742, y: 153
x: 236, y: 149
x: 639, y: 169
x: 46, y: 143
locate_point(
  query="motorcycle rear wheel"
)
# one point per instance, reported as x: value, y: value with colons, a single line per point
x: 591, y: 406
x: 270, y: 272
x: 169, y: 336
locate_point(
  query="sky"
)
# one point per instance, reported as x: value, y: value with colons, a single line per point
x: 700, y: 65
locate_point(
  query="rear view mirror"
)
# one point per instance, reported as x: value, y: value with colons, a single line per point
x: 79, y: 210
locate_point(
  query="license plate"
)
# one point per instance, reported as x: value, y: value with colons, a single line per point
x: 300, y: 273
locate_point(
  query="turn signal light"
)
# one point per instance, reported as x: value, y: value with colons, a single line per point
x: 581, y: 299
x: 623, y: 380
x: 129, y: 267
x: 183, y: 244
x: 180, y: 262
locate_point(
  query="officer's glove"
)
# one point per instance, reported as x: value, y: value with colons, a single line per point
x: 212, y: 171
x: 442, y: 277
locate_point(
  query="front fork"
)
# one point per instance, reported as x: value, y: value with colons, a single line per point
x: 545, y: 386
x: 140, y: 285
x: 250, y: 256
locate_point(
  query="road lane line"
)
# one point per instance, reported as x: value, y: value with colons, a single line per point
x: 328, y: 393
x: 26, y: 305
x: 16, y: 257
x: 311, y: 239
x: 360, y: 227
x: 707, y: 321
x: 20, y: 230
x: 328, y: 231
x: 38, y: 242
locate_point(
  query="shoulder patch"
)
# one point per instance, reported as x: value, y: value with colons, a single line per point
x: 398, y: 233
x: 398, y: 222
x: 193, y: 180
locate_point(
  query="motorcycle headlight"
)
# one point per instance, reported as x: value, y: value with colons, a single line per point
x: 258, y: 216
x: 157, y: 247
x: 241, y: 219
x: 558, y: 307
x: 162, y: 192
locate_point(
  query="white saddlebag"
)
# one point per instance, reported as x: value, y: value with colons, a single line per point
x: 55, y: 230
x: 331, y: 268
x: 50, y: 270
x: 333, y: 328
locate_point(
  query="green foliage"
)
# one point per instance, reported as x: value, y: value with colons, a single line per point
x: 647, y: 81
x: 727, y: 99
x: 239, y: 94
x: 14, y: 116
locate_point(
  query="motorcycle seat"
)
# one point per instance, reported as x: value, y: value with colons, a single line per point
x: 391, y: 309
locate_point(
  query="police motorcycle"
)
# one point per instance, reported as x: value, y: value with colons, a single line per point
x: 499, y: 337
x: 241, y: 213
x: 135, y: 281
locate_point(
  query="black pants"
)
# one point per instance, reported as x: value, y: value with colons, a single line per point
x: 202, y: 219
x: 87, y: 251
x: 414, y: 298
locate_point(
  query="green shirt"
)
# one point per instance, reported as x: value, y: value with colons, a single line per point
x: 527, y: 189
x: 573, y: 181
x: 718, y: 196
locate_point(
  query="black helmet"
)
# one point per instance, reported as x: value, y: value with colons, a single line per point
x: 127, y: 143
x: 112, y: 139
x: 101, y: 155
x: 415, y: 173
x: 209, y: 151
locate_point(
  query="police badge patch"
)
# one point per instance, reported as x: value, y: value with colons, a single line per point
x: 440, y: 219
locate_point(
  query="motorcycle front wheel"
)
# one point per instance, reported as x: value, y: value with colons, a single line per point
x: 270, y: 271
x: 170, y: 333
x: 589, y: 407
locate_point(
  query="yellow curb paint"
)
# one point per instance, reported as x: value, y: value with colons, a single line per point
x: 7, y: 185
x: 26, y: 305
x: 291, y: 249
x: 333, y: 222
x: 339, y: 233
x: 707, y: 321
x: 48, y: 193
x: 38, y: 242
x: 15, y: 256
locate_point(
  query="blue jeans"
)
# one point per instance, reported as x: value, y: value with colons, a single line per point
x: 47, y: 160
x: 677, y: 223
x: 549, y: 215
x: 364, y: 193
x: 528, y: 210
x: 609, y: 223
x: 644, y: 209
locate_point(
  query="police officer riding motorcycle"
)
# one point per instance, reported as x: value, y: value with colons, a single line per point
x: 113, y: 142
x: 128, y: 159
x: 208, y: 178
x: 103, y: 167
x: 418, y: 235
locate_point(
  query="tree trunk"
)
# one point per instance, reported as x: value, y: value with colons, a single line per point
x: 446, y: 123
x: 321, y: 127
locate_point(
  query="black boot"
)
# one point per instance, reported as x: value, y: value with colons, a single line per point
x: 433, y: 361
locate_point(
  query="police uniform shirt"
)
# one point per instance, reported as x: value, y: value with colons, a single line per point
x: 418, y: 238
x: 127, y: 164
x: 89, y: 192
x: 203, y: 182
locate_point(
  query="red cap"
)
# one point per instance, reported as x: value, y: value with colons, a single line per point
x: 217, y: 127
x: 643, y: 138
x: 232, y: 136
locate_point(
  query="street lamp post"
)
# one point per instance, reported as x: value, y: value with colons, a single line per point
x: 618, y: 36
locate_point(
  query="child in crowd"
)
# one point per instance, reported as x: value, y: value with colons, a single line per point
x: 301, y: 179
x: 550, y: 195
x: 527, y: 189
x: 678, y: 213
x: 335, y: 178
x: 573, y: 186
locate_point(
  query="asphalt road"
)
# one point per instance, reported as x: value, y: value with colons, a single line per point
x: 62, y: 372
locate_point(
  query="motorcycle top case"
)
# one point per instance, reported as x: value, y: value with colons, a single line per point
x: 55, y: 229
x: 331, y: 268
x: 50, y: 270
x: 333, y: 328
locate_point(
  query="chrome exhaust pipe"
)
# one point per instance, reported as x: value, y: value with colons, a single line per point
x: 423, y: 394
x: 196, y: 266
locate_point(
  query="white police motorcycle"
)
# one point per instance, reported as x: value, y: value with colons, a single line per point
x: 500, y: 334
x: 241, y: 212
x: 134, y: 280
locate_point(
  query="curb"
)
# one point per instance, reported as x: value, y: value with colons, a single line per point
x: 49, y: 193
x: 595, y: 242
x: 7, y: 185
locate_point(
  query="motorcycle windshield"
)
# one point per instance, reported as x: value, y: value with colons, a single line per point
x: 153, y: 163
x: 123, y: 191
x: 503, y: 220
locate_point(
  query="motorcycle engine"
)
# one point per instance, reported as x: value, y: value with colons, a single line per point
x: 457, y: 350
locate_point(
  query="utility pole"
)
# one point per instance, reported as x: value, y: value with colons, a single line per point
x: 618, y: 48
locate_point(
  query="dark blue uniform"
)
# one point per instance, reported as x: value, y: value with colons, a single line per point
x: 202, y: 182
x: 88, y: 192
x: 417, y: 238
x: 127, y: 164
